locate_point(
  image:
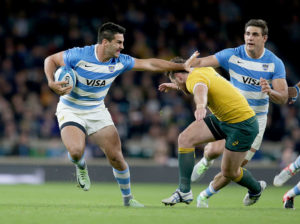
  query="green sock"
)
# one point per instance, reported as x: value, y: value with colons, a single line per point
x: 247, y: 180
x: 186, y: 164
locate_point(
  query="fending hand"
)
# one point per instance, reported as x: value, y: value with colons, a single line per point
x: 189, y: 62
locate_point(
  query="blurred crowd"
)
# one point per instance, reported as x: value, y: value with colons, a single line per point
x: 149, y: 122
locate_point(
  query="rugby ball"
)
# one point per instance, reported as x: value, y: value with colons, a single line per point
x: 66, y: 74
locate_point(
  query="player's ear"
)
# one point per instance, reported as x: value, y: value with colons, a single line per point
x: 105, y: 41
x: 265, y: 38
x: 181, y: 77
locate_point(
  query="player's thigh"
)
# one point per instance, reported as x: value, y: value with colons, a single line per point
x: 240, y: 136
x: 73, y: 138
x: 97, y: 120
x: 231, y: 162
x: 72, y: 128
x: 107, y: 139
x: 196, y: 133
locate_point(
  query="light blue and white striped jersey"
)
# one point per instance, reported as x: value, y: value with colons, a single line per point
x: 245, y: 73
x: 94, y: 78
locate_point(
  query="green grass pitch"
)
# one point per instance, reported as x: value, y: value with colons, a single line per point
x: 57, y: 203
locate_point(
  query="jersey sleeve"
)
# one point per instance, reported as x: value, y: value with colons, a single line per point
x: 127, y: 61
x: 195, y: 78
x: 223, y: 57
x: 71, y: 56
x: 279, y: 72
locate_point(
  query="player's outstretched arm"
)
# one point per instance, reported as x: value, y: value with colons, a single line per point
x: 159, y: 65
x: 209, y: 61
x: 156, y: 65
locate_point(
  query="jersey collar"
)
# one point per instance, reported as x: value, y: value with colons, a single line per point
x: 95, y: 52
x: 263, y: 53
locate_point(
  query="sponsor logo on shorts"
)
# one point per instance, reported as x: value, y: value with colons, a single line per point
x: 235, y: 143
x: 62, y: 118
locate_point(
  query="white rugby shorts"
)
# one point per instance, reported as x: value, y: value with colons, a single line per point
x: 89, y: 121
x: 262, y: 122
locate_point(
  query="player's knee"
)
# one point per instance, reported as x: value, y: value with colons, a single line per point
x: 118, y: 162
x: 229, y: 173
x: 75, y: 151
x: 115, y: 158
x: 184, y: 140
x: 212, y: 152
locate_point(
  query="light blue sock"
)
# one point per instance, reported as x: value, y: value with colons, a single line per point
x: 297, y: 189
x: 208, y: 192
x: 294, y: 191
x: 123, y: 179
x: 296, y: 165
x: 80, y: 163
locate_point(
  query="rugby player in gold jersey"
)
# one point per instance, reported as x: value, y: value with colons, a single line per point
x: 232, y: 119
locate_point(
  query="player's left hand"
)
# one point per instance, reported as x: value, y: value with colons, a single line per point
x: 293, y: 94
x: 59, y: 88
x: 165, y: 87
x: 188, y: 63
x: 265, y: 87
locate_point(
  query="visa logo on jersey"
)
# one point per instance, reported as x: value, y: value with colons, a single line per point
x: 250, y: 81
x: 95, y: 82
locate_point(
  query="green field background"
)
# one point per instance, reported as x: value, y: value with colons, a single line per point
x: 65, y: 203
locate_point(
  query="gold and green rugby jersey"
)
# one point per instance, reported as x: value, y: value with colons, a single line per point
x: 223, y: 99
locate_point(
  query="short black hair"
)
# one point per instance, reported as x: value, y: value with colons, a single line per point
x: 258, y: 23
x: 108, y: 31
x: 178, y: 60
